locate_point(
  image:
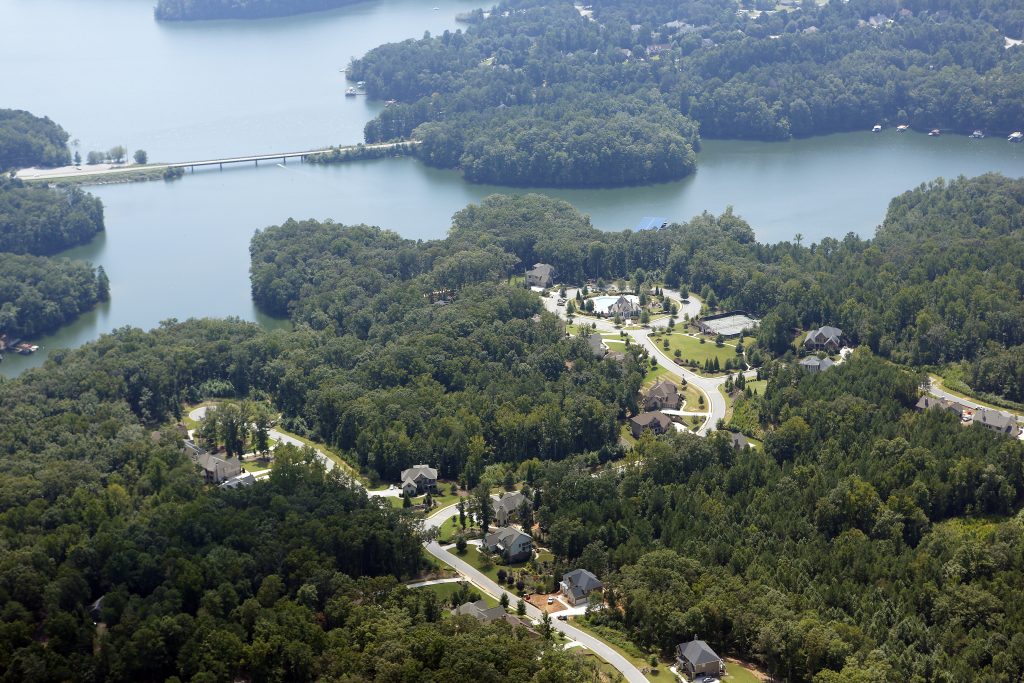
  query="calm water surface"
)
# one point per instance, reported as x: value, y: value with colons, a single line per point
x: 176, y: 250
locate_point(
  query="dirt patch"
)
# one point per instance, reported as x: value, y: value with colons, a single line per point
x: 540, y: 601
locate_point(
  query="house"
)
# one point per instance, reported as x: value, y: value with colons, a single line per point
x: 696, y: 658
x: 655, y: 421
x: 597, y: 346
x: 663, y: 394
x: 506, y: 505
x: 997, y: 421
x: 215, y: 468
x: 541, y: 275
x: 513, y: 545
x: 814, y: 365
x: 577, y: 585
x: 825, y: 338
x: 624, y: 308
x: 739, y: 441
x: 419, y: 479
x: 237, y: 482
x: 480, y: 611
x: 931, y: 403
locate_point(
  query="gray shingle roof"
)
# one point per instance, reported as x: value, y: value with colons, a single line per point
x: 697, y: 652
x: 582, y: 579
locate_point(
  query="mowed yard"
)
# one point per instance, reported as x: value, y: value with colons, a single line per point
x: 690, y: 348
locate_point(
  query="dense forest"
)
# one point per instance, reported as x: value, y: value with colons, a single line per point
x: 118, y: 565
x: 480, y: 375
x: 38, y: 295
x: 38, y: 220
x: 534, y: 93
x: 192, y: 10
x: 939, y: 283
x: 864, y: 542
x: 27, y: 140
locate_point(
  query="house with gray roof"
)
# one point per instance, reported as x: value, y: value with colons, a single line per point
x: 597, y: 346
x: 216, y: 469
x: 242, y: 480
x: 664, y: 394
x: 739, y: 441
x: 577, y: 586
x: 541, y: 275
x: 506, y: 505
x: 624, y: 308
x: 513, y: 545
x: 419, y: 479
x: 655, y: 421
x: 932, y: 403
x: 480, y: 611
x: 825, y: 338
x: 997, y: 421
x: 696, y: 658
x: 814, y: 365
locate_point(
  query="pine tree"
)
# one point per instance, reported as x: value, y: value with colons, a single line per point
x: 102, y: 285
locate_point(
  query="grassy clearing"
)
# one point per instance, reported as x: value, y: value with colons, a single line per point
x: 445, y: 591
x: 757, y: 386
x: 618, y: 642
x: 691, y: 349
x: 478, y: 560
x: 737, y: 673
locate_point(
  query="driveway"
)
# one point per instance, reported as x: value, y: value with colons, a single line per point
x: 481, y: 581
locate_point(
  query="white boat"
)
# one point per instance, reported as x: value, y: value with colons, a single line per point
x: 902, y: 128
x: 877, y: 128
x: 1016, y: 136
x: 977, y: 135
x: 935, y: 132
x: 351, y: 92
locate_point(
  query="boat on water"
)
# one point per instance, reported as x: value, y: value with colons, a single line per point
x: 935, y: 132
x: 26, y: 348
x: 877, y: 128
x: 902, y: 128
x: 977, y: 135
x: 351, y: 92
x: 1016, y: 137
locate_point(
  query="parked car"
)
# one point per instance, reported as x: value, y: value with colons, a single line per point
x: 551, y: 601
x: 563, y: 617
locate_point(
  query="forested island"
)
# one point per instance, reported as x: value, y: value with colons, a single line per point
x: 38, y: 220
x: 39, y: 294
x: 28, y: 140
x: 862, y: 541
x: 193, y: 10
x: 536, y: 93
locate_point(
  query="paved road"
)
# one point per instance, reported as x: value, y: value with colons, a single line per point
x: 481, y: 581
x: 108, y: 169
x: 935, y: 390
x: 707, y: 385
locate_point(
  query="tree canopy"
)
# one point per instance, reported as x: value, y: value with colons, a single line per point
x: 28, y: 140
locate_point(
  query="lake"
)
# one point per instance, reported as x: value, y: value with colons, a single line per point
x: 174, y: 250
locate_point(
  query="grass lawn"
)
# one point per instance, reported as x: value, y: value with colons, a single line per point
x: 444, y: 591
x: 618, y: 642
x: 626, y: 435
x: 690, y: 348
x: 728, y: 403
x: 447, y: 532
x: 736, y: 673
x: 475, y: 558
x: 758, y: 386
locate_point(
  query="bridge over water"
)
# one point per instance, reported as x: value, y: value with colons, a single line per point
x: 85, y: 172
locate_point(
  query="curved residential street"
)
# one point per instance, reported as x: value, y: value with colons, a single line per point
x: 707, y: 385
x: 481, y: 581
